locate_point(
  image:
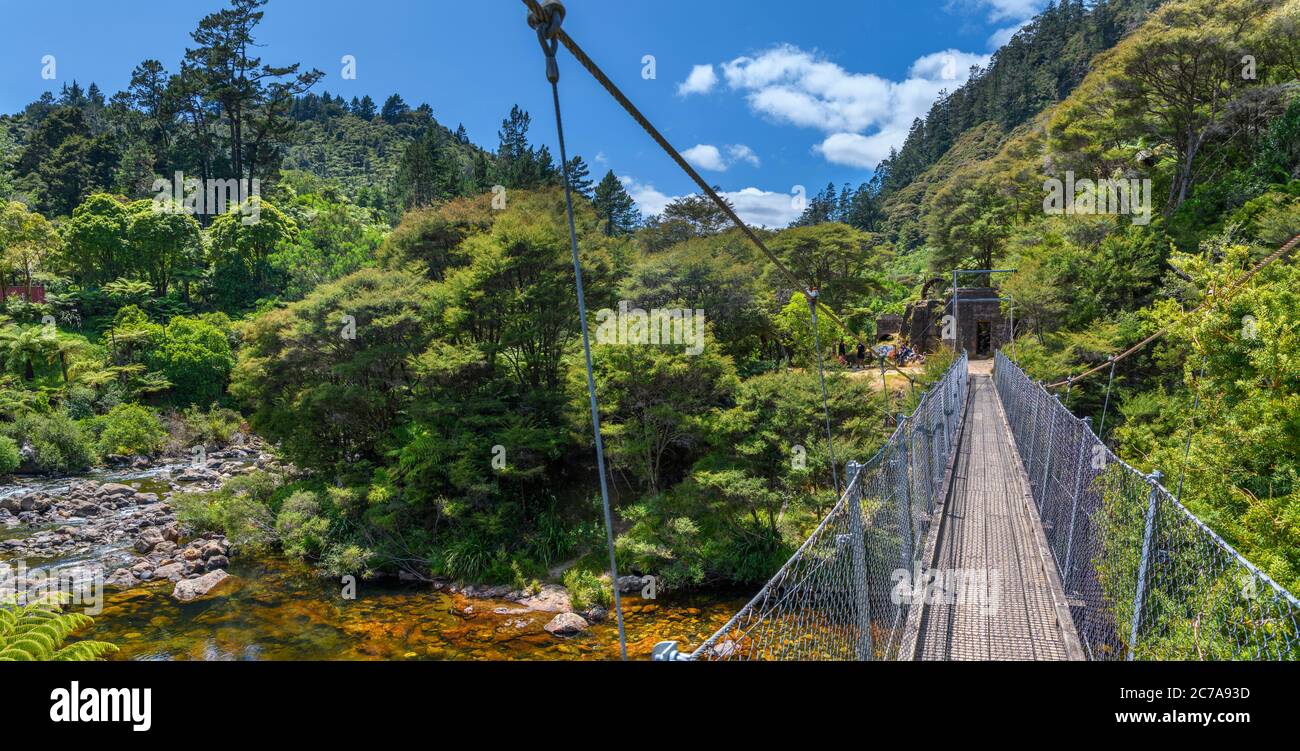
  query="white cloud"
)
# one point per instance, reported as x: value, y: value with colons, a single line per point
x: 701, y: 81
x: 648, y: 200
x: 739, y: 152
x: 1002, y: 36
x: 705, y: 156
x: 709, y: 157
x: 754, y: 206
x: 862, y: 113
x: 763, y: 208
x: 1007, y: 10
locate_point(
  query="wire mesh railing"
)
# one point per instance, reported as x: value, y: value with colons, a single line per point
x: 1144, y: 578
x: 832, y: 599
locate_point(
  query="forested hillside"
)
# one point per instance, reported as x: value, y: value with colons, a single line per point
x: 395, y: 310
x: 1039, y: 67
x: 1197, y: 113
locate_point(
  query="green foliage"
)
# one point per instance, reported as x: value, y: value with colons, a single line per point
x: 60, y: 444
x: 10, y: 459
x: 331, y: 376
x: 213, y: 428
x: 240, y: 511
x: 130, y: 429
x: 587, y: 588
x: 195, y: 357
x: 242, y: 251
x: 794, y: 323
x: 38, y: 632
x: 300, y: 525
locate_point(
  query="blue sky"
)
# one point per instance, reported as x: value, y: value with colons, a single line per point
x: 762, y: 96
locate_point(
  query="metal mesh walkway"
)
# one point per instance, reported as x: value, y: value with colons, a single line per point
x: 994, y: 598
x: 1025, y: 497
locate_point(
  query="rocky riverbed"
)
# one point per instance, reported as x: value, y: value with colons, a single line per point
x: 121, y: 533
x: 169, y: 596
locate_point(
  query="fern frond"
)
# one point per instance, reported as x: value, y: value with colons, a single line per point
x: 84, y: 651
x: 36, y: 631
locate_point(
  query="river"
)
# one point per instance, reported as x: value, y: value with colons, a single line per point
x: 278, y: 609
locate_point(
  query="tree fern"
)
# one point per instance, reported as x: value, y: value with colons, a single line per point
x: 36, y: 632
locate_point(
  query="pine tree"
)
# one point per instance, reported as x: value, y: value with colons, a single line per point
x: 365, y: 109
x: 615, y: 207
x: 580, y: 178
x: 394, y: 109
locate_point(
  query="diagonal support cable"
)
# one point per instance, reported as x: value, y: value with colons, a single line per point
x: 547, y: 24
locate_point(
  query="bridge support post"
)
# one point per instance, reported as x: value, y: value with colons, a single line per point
x: 1144, y: 566
x: 859, y: 545
x: 947, y: 440
x: 906, y: 505
x: 1074, y: 505
x: 1033, y: 435
x: 1047, y: 460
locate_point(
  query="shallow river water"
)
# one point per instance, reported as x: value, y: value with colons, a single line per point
x: 278, y: 609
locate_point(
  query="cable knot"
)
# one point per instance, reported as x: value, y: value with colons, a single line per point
x: 546, y: 21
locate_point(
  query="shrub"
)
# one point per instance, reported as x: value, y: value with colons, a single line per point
x: 9, y: 456
x: 587, y: 588
x: 131, y: 429
x: 214, y: 428
x: 196, y: 357
x: 302, y: 529
x: 240, y: 510
x: 345, y: 559
x: 61, y: 444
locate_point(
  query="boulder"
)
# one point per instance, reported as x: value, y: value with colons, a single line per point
x: 85, y: 508
x: 551, y: 599
x: 121, y: 579
x: 216, y: 562
x: 566, y: 624
x: 192, y: 589
x: 172, y: 572
x: 212, y: 550
x: 630, y: 584
x: 148, y: 538
x: 115, y: 490
x: 198, y: 474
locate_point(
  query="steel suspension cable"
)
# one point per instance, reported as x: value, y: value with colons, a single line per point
x: 821, y: 374
x: 547, y: 24
x: 562, y: 37
x: 1101, y: 431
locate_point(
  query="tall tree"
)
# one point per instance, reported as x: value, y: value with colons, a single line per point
x: 616, y: 209
x: 254, y: 97
x: 580, y: 178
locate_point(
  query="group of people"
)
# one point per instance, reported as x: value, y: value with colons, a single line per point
x: 850, y: 358
x: 857, y: 358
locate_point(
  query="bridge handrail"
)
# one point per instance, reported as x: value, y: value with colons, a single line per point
x: 863, y: 552
x: 1157, y: 583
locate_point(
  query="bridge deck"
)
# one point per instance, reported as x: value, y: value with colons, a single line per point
x: 988, y: 530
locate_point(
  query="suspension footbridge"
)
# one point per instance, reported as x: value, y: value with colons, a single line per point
x: 992, y: 525
x: 995, y: 525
